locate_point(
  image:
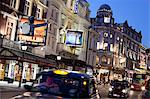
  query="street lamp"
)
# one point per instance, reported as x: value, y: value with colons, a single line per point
x: 23, y: 48
x: 58, y: 59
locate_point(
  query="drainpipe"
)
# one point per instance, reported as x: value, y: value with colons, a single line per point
x: 87, y: 47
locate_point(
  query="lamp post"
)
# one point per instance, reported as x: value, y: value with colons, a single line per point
x: 23, y: 48
x: 58, y: 59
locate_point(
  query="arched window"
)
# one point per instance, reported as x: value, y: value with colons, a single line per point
x: 104, y: 59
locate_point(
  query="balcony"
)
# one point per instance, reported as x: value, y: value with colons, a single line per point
x: 12, y: 45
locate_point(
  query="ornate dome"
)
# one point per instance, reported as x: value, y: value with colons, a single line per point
x: 105, y: 7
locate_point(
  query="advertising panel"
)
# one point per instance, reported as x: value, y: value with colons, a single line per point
x: 39, y: 28
x: 74, y: 38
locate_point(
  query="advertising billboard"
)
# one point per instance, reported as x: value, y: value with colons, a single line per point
x: 74, y: 38
x: 38, y: 27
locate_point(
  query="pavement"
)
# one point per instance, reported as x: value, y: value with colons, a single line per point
x: 6, y: 92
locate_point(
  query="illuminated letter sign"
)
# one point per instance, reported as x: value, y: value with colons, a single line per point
x: 76, y: 6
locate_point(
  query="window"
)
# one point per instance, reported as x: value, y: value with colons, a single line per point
x: 108, y: 61
x: 63, y: 17
x: 56, y: 18
x: 27, y: 6
x: 104, y: 60
x: 9, y: 30
x: 72, y: 3
x: 52, y: 14
x: 38, y: 13
x: 50, y: 27
x: 65, y: 1
x: 53, y: 43
x: 105, y: 34
x: 49, y: 40
x: 12, y: 3
x: 55, y: 31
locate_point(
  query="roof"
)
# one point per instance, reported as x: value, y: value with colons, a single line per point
x: 74, y: 74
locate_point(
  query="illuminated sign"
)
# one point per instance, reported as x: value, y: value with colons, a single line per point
x: 74, y: 38
x: 106, y: 20
x: 40, y: 30
x: 60, y: 72
x: 76, y: 6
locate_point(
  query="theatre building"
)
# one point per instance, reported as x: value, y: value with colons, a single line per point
x: 18, y: 62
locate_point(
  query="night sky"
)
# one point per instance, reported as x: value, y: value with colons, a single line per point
x: 137, y: 12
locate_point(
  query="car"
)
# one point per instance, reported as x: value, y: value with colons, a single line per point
x: 61, y: 84
x: 119, y: 89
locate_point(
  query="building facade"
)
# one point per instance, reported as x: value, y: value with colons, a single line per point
x: 17, y: 64
x: 60, y: 16
x: 148, y: 58
x: 118, y: 46
x: 65, y: 15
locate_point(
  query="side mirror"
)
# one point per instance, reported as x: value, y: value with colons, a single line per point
x: 27, y: 87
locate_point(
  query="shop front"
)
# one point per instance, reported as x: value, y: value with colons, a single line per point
x: 104, y: 74
x: 11, y: 71
x: 16, y: 66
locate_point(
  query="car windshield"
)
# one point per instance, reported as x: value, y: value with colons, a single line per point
x: 119, y: 84
x: 57, y: 85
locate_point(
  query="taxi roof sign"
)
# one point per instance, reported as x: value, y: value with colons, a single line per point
x: 60, y: 72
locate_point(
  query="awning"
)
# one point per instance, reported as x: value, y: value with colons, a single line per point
x: 12, y: 54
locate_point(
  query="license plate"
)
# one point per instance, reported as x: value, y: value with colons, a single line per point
x: 116, y: 95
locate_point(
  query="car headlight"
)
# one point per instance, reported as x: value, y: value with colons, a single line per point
x: 110, y: 89
x: 132, y: 86
x: 28, y: 94
x: 38, y: 94
x: 124, y: 91
x: 143, y: 88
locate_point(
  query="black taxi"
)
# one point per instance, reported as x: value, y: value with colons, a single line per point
x: 119, y: 89
x: 61, y: 84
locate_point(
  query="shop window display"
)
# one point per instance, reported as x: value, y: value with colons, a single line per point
x: 2, y: 71
x: 28, y: 74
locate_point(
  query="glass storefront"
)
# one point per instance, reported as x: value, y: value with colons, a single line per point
x: 29, y: 71
x: 2, y: 71
x: 10, y: 71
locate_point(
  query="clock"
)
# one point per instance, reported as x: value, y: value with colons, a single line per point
x: 106, y: 19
